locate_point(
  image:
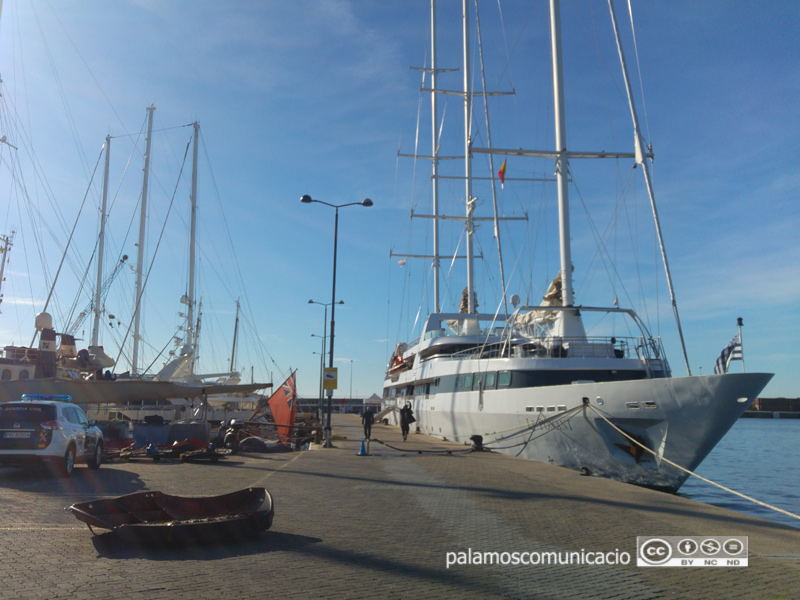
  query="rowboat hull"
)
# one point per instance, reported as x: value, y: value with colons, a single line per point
x: 155, y: 517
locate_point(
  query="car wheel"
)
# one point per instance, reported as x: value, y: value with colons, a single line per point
x: 94, y: 462
x: 69, y: 462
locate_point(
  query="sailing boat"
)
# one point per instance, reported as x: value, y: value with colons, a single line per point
x: 530, y: 382
x: 47, y: 370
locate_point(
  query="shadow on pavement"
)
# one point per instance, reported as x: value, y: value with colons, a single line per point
x: 109, y: 546
x: 104, y: 481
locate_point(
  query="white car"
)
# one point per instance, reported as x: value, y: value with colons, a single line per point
x: 48, y: 429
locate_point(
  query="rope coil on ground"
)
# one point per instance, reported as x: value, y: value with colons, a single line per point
x: 677, y: 466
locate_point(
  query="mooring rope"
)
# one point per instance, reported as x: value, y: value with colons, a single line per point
x: 677, y: 466
x: 533, y: 428
x: 464, y: 451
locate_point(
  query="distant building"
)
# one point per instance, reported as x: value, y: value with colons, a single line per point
x: 340, y: 405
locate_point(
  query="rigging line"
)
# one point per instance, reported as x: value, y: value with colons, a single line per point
x: 223, y: 216
x: 638, y: 262
x: 248, y: 315
x: 61, y: 93
x: 638, y: 140
x: 127, y: 164
x: 169, y: 341
x: 85, y: 64
x: 64, y: 255
x: 677, y: 466
x: 533, y: 429
x: 491, y: 160
x: 81, y: 287
x: 602, y: 246
x: 159, y: 130
x: 19, y: 178
x: 540, y: 420
x: 155, y: 252
x: 639, y: 70
x: 602, y: 241
x: 524, y: 24
x: 416, y: 136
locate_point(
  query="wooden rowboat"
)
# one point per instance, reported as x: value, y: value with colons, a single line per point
x: 158, y: 517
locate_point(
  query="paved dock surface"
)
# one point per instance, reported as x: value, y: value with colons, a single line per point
x: 379, y: 526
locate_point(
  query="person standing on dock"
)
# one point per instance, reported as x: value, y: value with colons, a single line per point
x: 367, y: 419
x: 406, y: 419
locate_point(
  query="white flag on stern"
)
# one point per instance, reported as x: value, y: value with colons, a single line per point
x: 733, y: 351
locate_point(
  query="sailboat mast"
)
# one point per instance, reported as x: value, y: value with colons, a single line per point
x: 640, y: 159
x: 7, y: 243
x: 140, y: 256
x: 469, y: 225
x: 562, y: 164
x: 190, y: 293
x: 435, y: 161
x: 491, y: 160
x: 235, y: 334
x: 101, y: 248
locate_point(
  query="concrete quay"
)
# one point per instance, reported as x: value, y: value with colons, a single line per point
x: 380, y: 526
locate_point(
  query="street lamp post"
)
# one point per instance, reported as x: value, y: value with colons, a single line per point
x: 322, y: 356
x: 321, y: 369
x: 306, y: 199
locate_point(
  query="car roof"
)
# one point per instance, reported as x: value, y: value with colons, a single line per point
x: 59, y: 400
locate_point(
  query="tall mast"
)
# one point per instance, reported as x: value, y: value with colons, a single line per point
x: 235, y: 334
x: 435, y: 156
x: 101, y: 249
x: 140, y: 259
x: 469, y: 225
x: 6, y: 241
x: 491, y: 161
x: 562, y: 164
x: 640, y: 159
x: 190, y: 294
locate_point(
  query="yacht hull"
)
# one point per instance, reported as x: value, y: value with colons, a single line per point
x: 575, y: 426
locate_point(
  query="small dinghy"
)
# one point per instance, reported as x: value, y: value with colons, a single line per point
x: 158, y: 517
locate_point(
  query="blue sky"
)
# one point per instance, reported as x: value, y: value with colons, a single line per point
x: 316, y: 97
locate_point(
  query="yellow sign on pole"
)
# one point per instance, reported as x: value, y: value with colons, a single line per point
x: 330, y: 378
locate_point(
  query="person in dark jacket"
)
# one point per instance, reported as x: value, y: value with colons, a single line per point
x: 406, y: 419
x: 367, y: 419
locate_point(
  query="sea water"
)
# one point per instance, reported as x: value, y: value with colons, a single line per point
x: 759, y: 458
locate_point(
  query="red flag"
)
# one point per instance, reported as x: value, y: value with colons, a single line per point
x: 502, y: 173
x: 283, y: 406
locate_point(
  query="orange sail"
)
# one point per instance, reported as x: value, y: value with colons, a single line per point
x: 283, y: 405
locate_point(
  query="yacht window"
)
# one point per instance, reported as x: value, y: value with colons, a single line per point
x: 476, y: 385
x: 504, y: 379
x: 491, y: 379
x: 551, y: 409
x: 467, y: 381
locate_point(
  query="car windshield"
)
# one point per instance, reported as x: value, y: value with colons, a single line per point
x: 26, y: 414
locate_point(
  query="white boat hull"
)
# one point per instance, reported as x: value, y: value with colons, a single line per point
x: 680, y: 418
